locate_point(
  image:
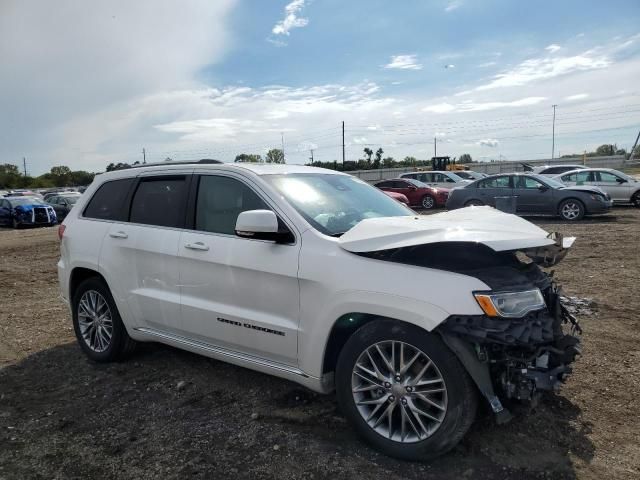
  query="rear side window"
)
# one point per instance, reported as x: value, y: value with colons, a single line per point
x: 160, y: 201
x: 495, y: 182
x: 220, y: 201
x: 109, y: 201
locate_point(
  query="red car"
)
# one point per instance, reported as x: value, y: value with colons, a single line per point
x: 419, y: 194
x: 399, y: 197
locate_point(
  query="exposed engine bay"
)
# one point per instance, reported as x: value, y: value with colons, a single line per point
x: 509, y: 359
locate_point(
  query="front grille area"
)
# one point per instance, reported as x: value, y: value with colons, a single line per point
x: 40, y: 215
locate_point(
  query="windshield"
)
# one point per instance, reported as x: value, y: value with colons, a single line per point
x: 23, y: 201
x: 416, y: 183
x: 72, y: 199
x: 465, y: 175
x: 549, y: 181
x: 332, y: 203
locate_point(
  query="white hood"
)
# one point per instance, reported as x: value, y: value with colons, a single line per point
x: 497, y: 230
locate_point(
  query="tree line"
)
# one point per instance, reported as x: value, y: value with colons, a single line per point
x: 59, y: 176
x: 63, y: 176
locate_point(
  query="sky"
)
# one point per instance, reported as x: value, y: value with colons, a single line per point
x: 84, y: 84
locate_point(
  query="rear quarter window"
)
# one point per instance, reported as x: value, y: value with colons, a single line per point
x: 110, y: 201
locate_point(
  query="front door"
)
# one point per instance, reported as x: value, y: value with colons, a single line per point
x: 617, y: 187
x: 237, y: 293
x: 533, y: 196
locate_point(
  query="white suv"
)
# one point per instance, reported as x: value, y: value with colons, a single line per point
x: 319, y: 278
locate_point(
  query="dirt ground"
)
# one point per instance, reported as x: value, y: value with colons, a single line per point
x: 171, y: 414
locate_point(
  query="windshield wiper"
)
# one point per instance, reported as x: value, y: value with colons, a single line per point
x: 339, y: 234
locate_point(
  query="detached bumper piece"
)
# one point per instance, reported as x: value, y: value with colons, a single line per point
x: 516, y: 359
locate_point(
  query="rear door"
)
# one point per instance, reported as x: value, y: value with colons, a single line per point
x: 579, y: 178
x: 237, y: 293
x: 141, y: 254
x: 490, y: 188
x: 533, y: 196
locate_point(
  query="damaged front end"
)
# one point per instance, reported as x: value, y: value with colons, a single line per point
x: 515, y: 359
x: 511, y: 355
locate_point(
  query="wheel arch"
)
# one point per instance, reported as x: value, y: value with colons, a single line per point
x: 79, y: 275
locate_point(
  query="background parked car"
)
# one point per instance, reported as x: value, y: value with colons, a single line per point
x: 621, y: 187
x: 535, y: 194
x: 22, y: 211
x: 470, y: 175
x: 551, y: 170
x: 418, y: 193
x: 63, y: 203
x: 440, y: 179
x: 398, y: 196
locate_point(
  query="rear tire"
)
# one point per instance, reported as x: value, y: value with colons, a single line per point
x: 474, y: 203
x: 636, y: 199
x: 436, y: 385
x: 97, y: 323
x: 571, y: 210
x: 428, y: 202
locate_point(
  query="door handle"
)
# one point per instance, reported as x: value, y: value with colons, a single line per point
x: 119, y: 234
x: 196, y: 246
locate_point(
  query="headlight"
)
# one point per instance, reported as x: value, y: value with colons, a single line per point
x: 511, y: 304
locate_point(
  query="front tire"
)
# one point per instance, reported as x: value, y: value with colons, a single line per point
x: 571, y: 210
x: 404, y: 391
x: 635, y: 200
x: 97, y: 323
x: 428, y: 202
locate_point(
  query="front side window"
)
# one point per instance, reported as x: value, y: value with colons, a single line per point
x: 528, y: 183
x: 108, y: 203
x: 607, y: 177
x: 333, y: 203
x: 220, y: 200
x: 160, y: 201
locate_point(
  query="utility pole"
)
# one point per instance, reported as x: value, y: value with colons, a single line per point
x: 553, y: 133
x: 633, y: 149
x: 24, y: 165
x: 311, y: 157
x: 144, y: 156
x: 435, y: 146
x: 282, y: 141
x: 343, y: 142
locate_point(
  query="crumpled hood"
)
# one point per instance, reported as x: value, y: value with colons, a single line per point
x: 585, y: 188
x: 493, y: 228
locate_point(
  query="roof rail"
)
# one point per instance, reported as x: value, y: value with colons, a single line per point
x: 181, y: 162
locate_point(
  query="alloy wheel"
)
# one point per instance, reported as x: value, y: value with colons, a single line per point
x: 570, y: 210
x: 428, y: 202
x: 95, y: 321
x: 399, y: 391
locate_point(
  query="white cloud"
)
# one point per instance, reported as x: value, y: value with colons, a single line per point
x: 359, y: 140
x: 439, y: 108
x: 404, y: 62
x: 537, y: 69
x: 453, y: 5
x: 579, y: 96
x: 553, y: 48
x: 291, y: 19
x: 489, y: 142
x: 471, y: 106
x: 487, y: 64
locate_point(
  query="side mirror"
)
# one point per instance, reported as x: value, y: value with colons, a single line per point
x: 413, y: 188
x: 620, y: 180
x: 543, y: 188
x: 261, y: 225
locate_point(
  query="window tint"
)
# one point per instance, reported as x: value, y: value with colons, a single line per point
x: 384, y: 185
x: 411, y: 175
x: 528, y: 182
x: 108, y: 203
x: 557, y: 170
x: 399, y: 184
x: 608, y: 177
x: 579, y: 177
x: 495, y: 182
x: 160, y: 201
x: 220, y: 201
